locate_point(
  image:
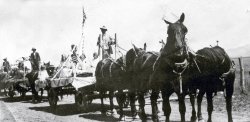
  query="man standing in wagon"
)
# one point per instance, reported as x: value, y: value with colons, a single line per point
x: 104, y: 42
x: 35, y: 60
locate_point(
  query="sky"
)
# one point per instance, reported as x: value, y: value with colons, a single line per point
x: 51, y: 26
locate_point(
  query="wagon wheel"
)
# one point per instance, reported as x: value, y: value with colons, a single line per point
x: 23, y: 94
x: 11, y: 92
x: 126, y: 103
x: 89, y: 101
x: 52, y: 97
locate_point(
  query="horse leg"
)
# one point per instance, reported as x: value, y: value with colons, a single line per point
x: 120, y: 98
x: 153, y: 98
x: 182, y: 106
x: 132, y: 103
x: 41, y: 95
x: 102, y: 104
x: 199, y: 101
x: 229, y: 108
x: 141, y: 100
x: 166, y: 104
x: 192, y: 101
x: 111, y: 95
x: 229, y: 94
x: 5, y: 92
x: 209, y: 105
x: 34, y: 92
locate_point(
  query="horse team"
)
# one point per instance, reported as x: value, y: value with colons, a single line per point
x: 174, y: 70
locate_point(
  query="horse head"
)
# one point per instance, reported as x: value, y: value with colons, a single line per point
x: 174, y: 55
x: 131, y: 55
x: 176, y: 47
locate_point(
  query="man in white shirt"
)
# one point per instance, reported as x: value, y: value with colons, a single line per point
x: 104, y: 42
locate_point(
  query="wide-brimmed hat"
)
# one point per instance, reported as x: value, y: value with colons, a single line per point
x: 103, y: 28
x: 33, y: 48
x: 5, y: 59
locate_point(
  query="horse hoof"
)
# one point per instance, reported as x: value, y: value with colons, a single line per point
x: 120, y: 118
x: 155, y: 118
x: 103, y: 113
x: 193, y: 119
x: 202, y: 120
x: 143, y: 116
x: 135, y: 117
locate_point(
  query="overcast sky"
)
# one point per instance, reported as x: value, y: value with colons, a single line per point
x: 52, y: 26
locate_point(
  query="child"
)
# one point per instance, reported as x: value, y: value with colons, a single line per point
x: 41, y: 81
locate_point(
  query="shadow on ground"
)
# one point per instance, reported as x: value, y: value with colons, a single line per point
x: 26, y: 99
x: 69, y: 109
x: 99, y: 117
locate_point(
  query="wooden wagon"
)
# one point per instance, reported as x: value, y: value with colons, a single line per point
x: 77, y: 86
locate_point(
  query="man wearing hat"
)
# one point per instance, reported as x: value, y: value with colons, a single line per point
x: 35, y: 59
x: 6, y: 65
x: 104, y: 42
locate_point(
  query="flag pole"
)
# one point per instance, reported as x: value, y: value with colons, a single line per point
x: 84, y: 17
x: 115, y: 45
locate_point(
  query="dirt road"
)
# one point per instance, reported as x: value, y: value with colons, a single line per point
x: 23, y: 110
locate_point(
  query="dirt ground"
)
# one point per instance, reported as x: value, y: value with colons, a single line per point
x: 23, y: 110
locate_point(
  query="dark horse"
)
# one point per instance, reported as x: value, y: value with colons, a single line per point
x: 171, y: 69
x: 216, y: 74
x: 177, y: 70
x: 110, y: 77
x: 139, y: 67
x: 32, y: 77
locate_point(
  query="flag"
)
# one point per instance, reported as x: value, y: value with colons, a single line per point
x: 84, y: 17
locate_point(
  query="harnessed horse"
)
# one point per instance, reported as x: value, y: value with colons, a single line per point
x: 171, y: 68
x: 139, y: 67
x: 110, y: 77
x: 182, y: 72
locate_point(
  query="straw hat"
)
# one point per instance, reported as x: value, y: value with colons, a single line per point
x: 103, y: 28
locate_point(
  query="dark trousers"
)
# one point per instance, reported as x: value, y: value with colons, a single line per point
x: 35, y: 66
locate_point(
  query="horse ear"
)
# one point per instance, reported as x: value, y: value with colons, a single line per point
x: 167, y: 22
x: 182, y: 18
x: 135, y: 48
x: 145, y: 46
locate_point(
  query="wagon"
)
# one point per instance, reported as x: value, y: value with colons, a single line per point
x: 20, y: 85
x: 84, y: 89
x: 69, y: 85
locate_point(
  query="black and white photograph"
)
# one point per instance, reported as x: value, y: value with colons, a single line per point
x: 124, y: 60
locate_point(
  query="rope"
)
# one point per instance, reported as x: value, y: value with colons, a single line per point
x: 121, y: 48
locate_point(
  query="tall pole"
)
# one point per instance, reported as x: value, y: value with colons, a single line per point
x: 242, y: 77
x: 115, y: 45
x: 84, y: 17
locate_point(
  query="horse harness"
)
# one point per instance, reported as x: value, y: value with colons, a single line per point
x: 110, y: 67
